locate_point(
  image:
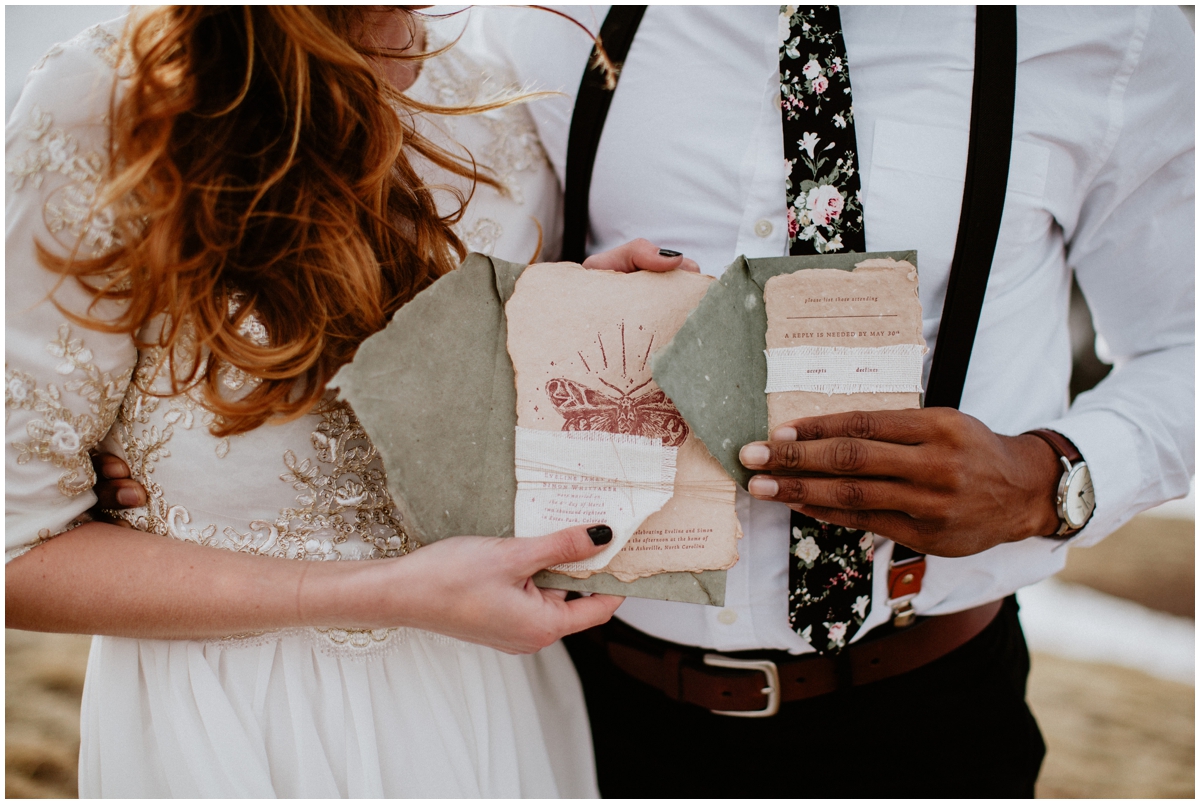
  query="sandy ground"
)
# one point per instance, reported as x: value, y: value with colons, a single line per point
x: 1111, y: 732
x: 43, y: 683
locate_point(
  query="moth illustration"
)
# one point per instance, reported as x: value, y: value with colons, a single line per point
x: 650, y: 414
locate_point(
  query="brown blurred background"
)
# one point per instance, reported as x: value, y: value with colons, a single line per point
x: 1112, y: 684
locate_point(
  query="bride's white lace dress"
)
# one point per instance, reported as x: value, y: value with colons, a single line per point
x: 304, y: 713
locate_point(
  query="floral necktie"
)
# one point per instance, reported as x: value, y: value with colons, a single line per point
x: 829, y: 566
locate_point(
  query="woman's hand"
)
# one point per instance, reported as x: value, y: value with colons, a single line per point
x: 481, y: 590
x: 101, y: 580
x: 640, y: 255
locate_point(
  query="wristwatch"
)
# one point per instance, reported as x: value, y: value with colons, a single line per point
x: 1075, y: 498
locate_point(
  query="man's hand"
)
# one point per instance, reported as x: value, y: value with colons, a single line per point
x: 639, y: 255
x: 114, y: 488
x: 936, y: 480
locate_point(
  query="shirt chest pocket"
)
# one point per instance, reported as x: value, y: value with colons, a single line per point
x: 915, y: 190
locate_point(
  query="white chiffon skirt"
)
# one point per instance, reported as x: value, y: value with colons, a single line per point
x: 424, y: 716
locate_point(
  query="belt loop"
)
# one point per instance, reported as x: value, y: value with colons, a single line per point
x: 672, y: 684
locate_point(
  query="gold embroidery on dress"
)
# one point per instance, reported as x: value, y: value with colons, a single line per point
x: 512, y: 145
x: 342, y: 491
x: 356, y: 637
x: 482, y: 236
x: 105, y: 44
x: 70, y: 208
x: 62, y: 436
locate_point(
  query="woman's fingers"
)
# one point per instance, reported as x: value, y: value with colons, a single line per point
x: 588, y: 612
x: 640, y: 255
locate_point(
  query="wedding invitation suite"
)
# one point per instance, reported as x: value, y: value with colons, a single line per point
x: 782, y: 338
x: 597, y: 440
x: 510, y: 400
x: 437, y: 394
x: 841, y: 340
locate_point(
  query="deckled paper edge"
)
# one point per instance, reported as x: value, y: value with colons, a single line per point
x: 705, y: 588
x: 631, y: 450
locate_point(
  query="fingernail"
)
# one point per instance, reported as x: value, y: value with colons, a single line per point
x: 784, y: 434
x: 666, y: 252
x: 755, y: 455
x: 129, y: 498
x: 763, y: 486
x: 113, y: 470
x: 600, y: 534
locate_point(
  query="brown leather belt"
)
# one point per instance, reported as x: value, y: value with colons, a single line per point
x: 754, y: 683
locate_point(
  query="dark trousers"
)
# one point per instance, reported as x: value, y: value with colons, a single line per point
x: 958, y: 726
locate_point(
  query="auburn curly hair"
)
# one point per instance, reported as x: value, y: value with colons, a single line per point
x: 260, y: 169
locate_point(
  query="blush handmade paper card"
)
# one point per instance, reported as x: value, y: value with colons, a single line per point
x: 782, y: 338
x: 436, y: 392
x: 841, y: 340
x: 597, y: 440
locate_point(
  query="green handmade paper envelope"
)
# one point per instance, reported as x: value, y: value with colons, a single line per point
x: 435, y: 390
x: 715, y: 371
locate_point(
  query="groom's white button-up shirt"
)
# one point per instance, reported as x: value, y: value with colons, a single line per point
x: 1102, y: 184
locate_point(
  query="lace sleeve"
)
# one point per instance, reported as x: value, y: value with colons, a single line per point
x: 63, y: 384
x: 504, y: 142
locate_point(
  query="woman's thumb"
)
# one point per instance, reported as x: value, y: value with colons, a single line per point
x: 564, y: 546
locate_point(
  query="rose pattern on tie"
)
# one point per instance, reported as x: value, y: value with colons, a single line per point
x: 830, y: 565
x: 824, y: 200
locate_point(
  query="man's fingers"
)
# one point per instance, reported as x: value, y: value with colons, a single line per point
x: 895, y: 426
x: 120, y: 494
x: 561, y: 547
x: 847, y: 493
x: 639, y: 255
x: 109, y: 466
x: 833, y: 456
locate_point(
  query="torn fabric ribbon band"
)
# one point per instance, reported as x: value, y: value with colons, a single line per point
x: 845, y: 369
x: 588, y: 477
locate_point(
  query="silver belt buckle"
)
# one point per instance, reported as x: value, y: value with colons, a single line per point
x: 765, y: 666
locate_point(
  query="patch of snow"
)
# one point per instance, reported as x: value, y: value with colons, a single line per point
x: 1076, y: 622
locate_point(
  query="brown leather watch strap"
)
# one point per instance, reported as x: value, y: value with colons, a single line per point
x: 1059, y: 442
x: 682, y: 674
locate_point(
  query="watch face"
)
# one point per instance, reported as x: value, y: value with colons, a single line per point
x: 1081, y: 500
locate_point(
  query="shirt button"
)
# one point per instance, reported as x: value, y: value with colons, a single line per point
x: 727, y: 617
x: 763, y: 228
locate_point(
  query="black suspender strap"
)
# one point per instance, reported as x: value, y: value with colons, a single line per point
x: 988, y: 153
x: 587, y: 124
x: 990, y: 147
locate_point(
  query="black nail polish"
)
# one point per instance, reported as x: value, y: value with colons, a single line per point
x: 600, y: 534
x: 666, y: 252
